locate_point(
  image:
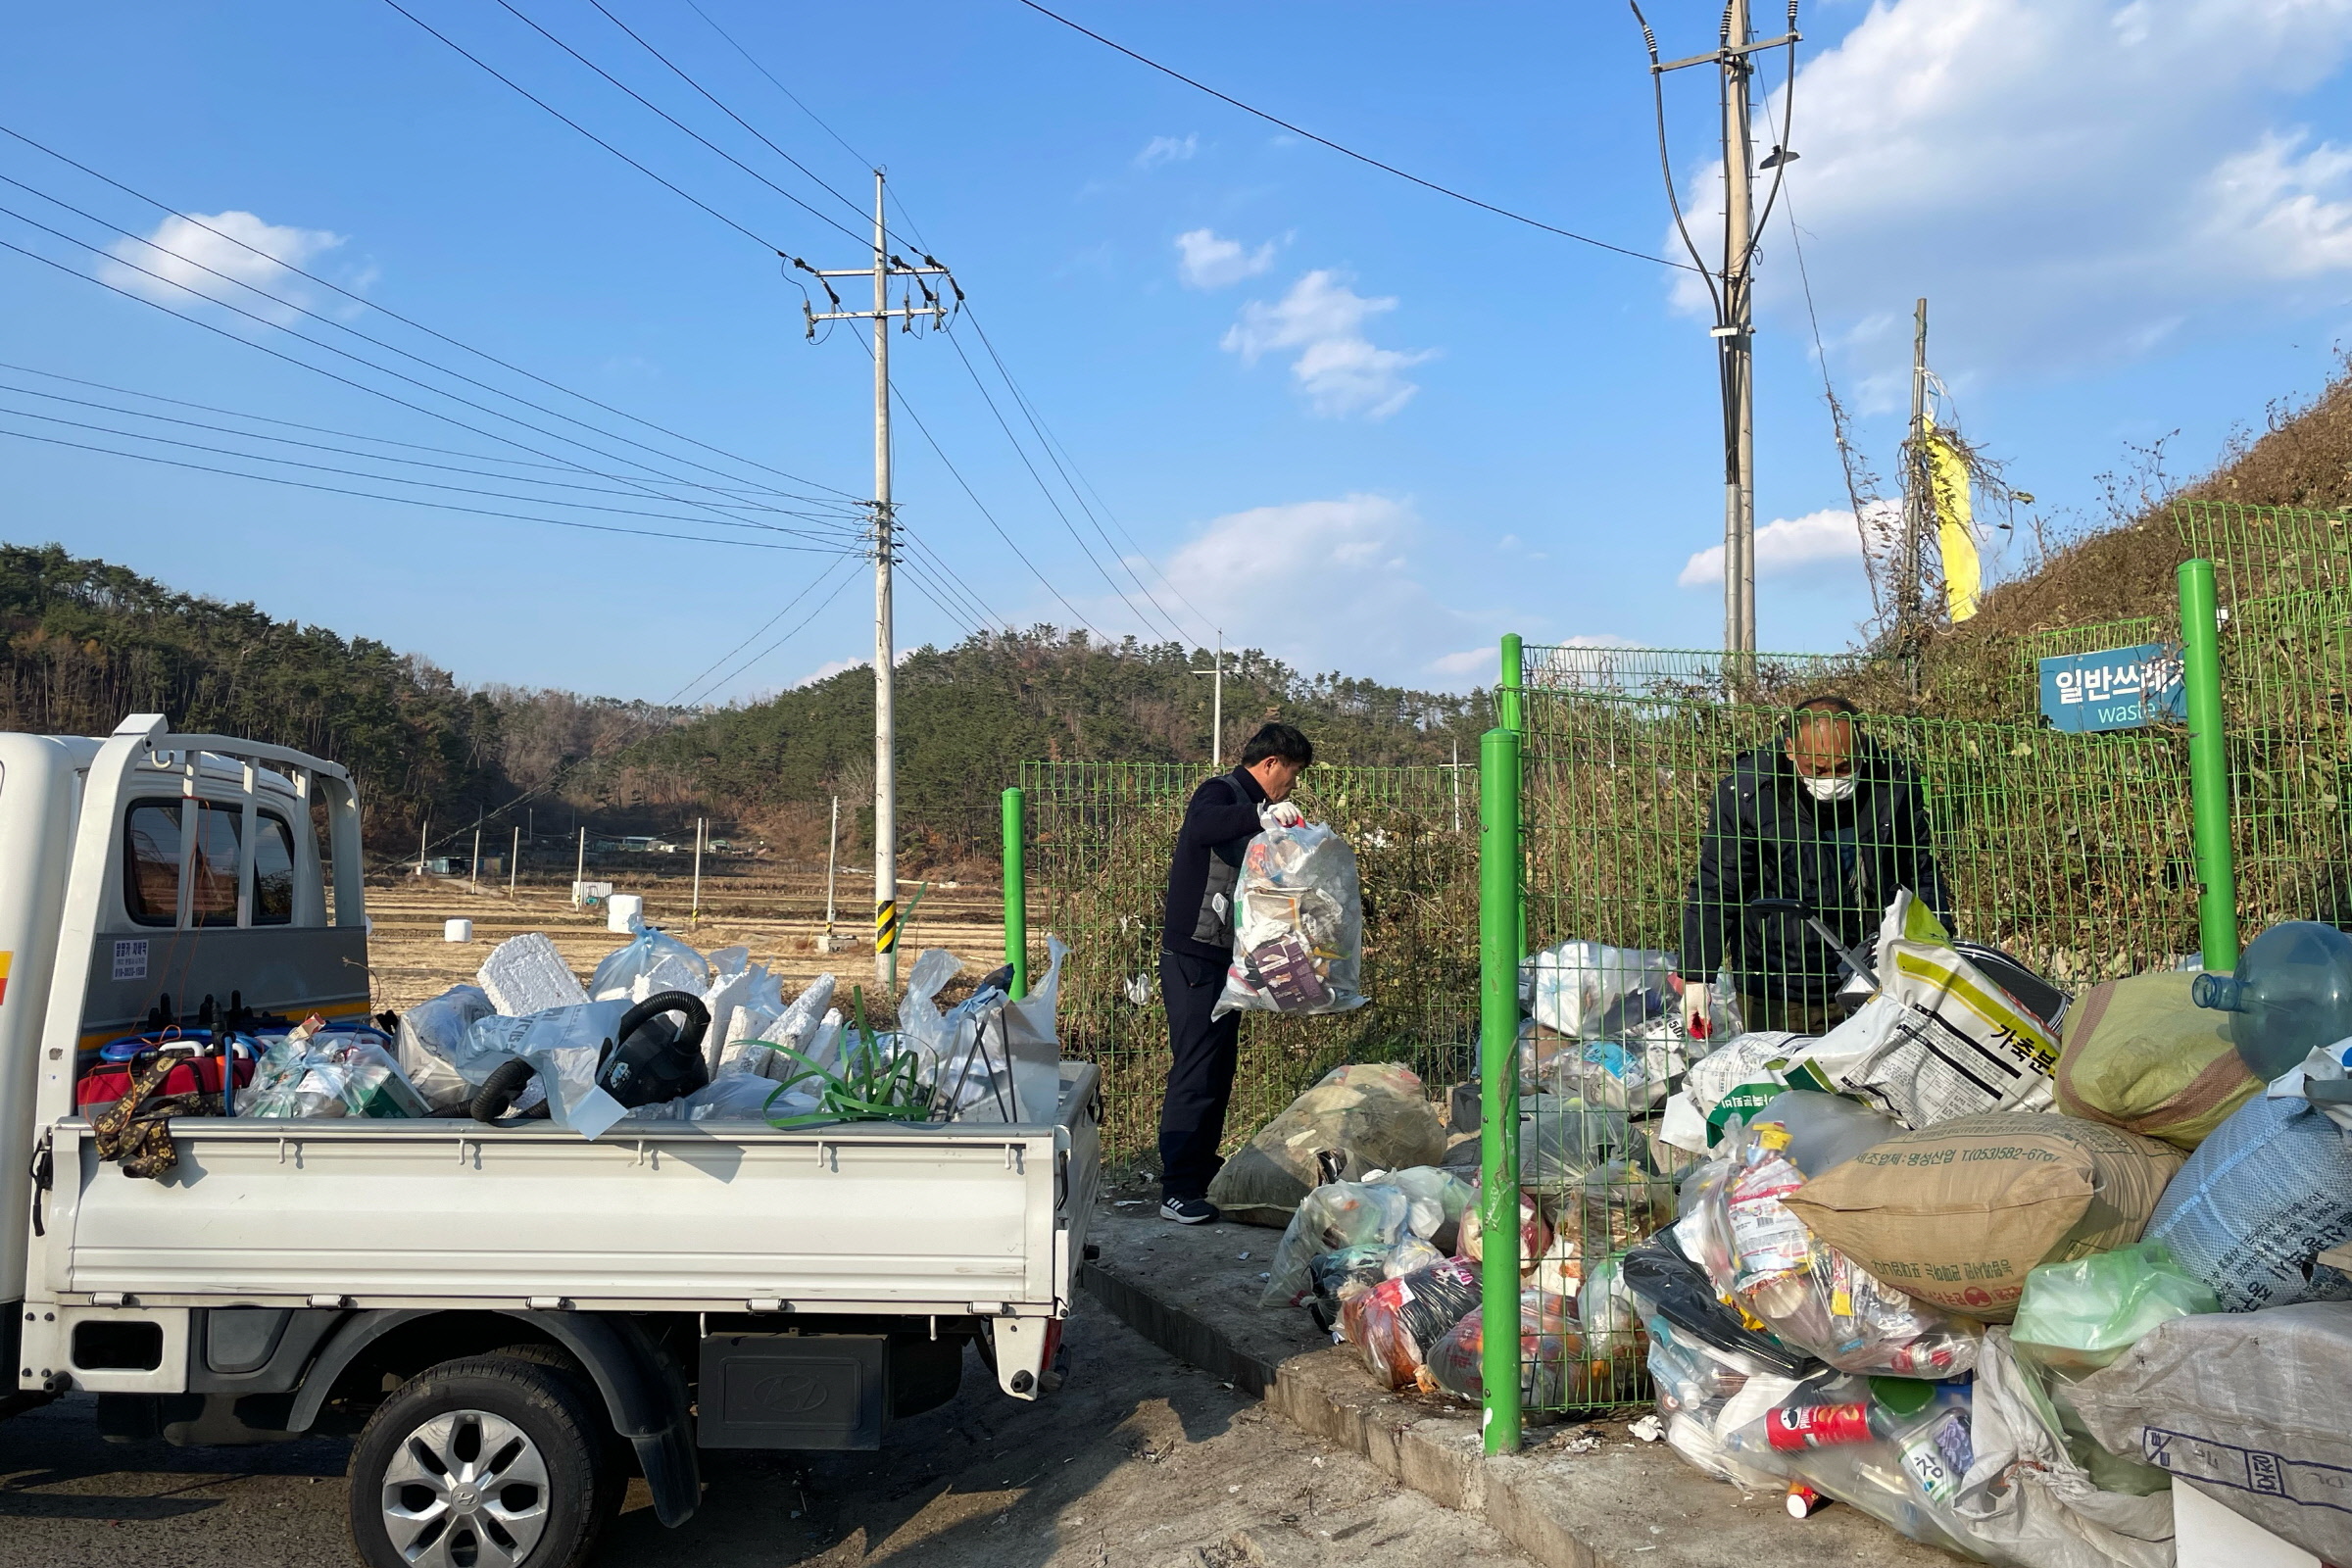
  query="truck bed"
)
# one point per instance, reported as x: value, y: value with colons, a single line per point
x: 942, y: 1218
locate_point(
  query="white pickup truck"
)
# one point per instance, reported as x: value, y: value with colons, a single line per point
x: 514, y: 1320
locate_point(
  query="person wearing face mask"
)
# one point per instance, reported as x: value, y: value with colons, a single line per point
x: 1823, y: 816
x: 1196, y: 946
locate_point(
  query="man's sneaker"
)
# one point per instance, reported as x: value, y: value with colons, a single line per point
x: 1187, y: 1210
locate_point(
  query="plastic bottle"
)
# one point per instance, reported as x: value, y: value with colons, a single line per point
x: 2291, y: 992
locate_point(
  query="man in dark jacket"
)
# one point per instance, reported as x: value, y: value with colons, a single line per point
x: 1196, y: 942
x: 1824, y: 817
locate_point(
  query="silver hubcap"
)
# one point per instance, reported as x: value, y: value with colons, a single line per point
x: 466, y: 1490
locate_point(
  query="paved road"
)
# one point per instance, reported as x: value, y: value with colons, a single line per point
x: 1139, y: 1461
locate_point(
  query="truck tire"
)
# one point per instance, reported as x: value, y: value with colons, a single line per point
x: 493, y: 1462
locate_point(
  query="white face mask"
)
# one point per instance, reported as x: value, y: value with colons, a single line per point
x: 1830, y: 790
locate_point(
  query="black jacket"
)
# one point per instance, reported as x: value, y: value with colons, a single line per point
x: 1218, y: 825
x: 1767, y: 838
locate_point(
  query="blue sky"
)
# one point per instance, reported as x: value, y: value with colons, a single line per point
x: 1338, y: 416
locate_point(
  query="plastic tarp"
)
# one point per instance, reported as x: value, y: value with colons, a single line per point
x: 2247, y: 1407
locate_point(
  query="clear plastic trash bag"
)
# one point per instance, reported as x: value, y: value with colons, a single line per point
x: 430, y: 1036
x: 655, y: 957
x: 334, y: 1072
x: 1297, y: 925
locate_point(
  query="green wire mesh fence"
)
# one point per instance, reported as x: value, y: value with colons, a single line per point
x: 2069, y: 851
x: 2285, y: 583
x: 1100, y: 838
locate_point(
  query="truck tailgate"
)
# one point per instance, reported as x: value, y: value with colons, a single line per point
x: 946, y: 1218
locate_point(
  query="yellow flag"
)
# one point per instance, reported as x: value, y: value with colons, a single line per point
x: 1954, y: 536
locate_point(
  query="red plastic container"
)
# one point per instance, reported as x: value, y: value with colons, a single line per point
x: 1818, y: 1426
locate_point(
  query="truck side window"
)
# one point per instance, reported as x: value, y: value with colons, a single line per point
x: 215, y: 868
x: 273, y: 871
x: 151, y: 861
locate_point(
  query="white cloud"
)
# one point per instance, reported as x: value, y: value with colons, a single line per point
x: 2070, y: 181
x: 1337, y: 367
x: 1206, y: 260
x: 1168, y: 149
x: 1472, y: 662
x: 830, y: 668
x: 1786, y: 545
x: 1331, y: 585
x: 181, y: 251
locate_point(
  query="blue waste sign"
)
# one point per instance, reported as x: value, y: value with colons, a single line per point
x: 2118, y: 688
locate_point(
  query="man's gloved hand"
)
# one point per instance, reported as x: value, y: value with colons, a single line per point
x: 1280, y: 813
x: 1697, y: 1023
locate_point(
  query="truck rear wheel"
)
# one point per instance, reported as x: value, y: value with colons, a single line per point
x: 494, y: 1462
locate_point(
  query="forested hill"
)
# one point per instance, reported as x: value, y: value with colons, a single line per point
x: 970, y: 715
x: 88, y: 642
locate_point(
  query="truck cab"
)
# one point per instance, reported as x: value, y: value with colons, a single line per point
x: 513, y: 1319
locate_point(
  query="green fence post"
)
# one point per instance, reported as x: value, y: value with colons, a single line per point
x: 1507, y: 694
x: 2208, y: 767
x: 1510, y: 712
x: 1498, y: 1078
x: 1017, y: 894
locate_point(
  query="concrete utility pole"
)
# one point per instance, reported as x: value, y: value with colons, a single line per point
x: 825, y: 944
x: 884, y: 268
x: 1216, y: 709
x: 1734, y: 331
x: 1737, y: 342
x: 1909, y: 598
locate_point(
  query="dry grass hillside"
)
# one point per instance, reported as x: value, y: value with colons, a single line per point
x: 2303, y: 460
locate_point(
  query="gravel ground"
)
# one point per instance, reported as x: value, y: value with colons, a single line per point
x: 1138, y: 1459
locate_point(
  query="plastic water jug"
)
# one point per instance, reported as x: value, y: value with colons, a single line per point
x: 2291, y: 992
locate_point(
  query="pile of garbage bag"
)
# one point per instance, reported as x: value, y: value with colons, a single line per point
x: 663, y: 1032
x: 2000, y: 1282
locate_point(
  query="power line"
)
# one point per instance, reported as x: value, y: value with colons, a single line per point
x: 862, y: 161
x: 387, y: 478
x: 1047, y: 442
x: 585, y: 131
x: 808, y: 589
x: 1027, y: 410
x: 302, y: 310
x: 375, y: 457
x: 731, y: 113
x: 456, y: 343
x: 1361, y: 158
x: 821, y: 217
x: 806, y: 621
x: 298, y: 336
x: 1022, y: 452
x: 931, y: 440
x: 408, y: 501
x: 1019, y: 554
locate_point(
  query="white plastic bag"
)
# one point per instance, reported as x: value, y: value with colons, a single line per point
x: 653, y: 954
x: 2025, y: 1501
x: 1591, y: 990
x: 987, y: 1058
x: 431, y: 1033
x: 563, y: 1046
x: 1298, y: 925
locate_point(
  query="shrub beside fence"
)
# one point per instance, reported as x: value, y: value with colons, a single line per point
x: 1100, y: 838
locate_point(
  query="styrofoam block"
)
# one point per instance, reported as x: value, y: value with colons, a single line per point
x: 623, y: 911
x: 2208, y: 1534
x: 457, y: 930
x: 526, y: 974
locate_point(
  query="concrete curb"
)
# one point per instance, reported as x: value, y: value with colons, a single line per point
x: 1620, y: 1505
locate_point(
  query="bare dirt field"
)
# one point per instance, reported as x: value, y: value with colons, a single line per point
x: 779, y: 913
